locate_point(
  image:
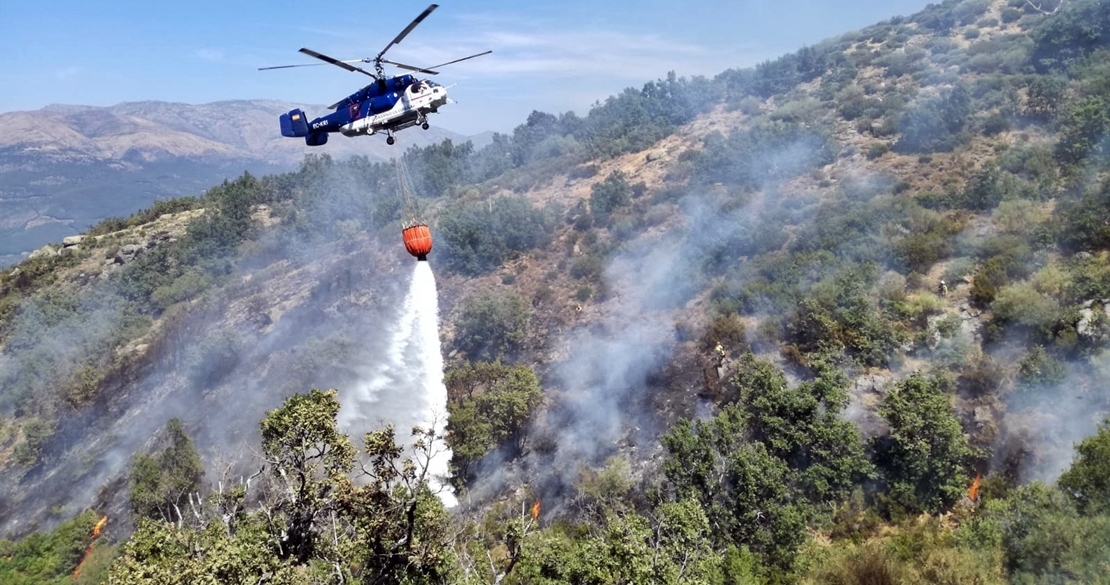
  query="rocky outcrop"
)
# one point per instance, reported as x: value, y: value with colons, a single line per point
x: 43, y: 252
x: 1094, y: 319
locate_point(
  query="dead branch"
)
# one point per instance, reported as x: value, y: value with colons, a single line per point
x: 1043, y: 11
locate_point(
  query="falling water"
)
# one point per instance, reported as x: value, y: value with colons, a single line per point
x: 426, y: 335
x: 405, y: 386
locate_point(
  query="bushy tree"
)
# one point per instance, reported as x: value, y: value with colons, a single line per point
x: 768, y: 151
x: 491, y: 406
x: 609, y: 195
x: 438, y: 168
x: 492, y: 324
x: 936, y: 124
x: 1084, y: 222
x: 1078, y: 29
x: 668, y: 547
x: 762, y: 464
x: 925, y: 457
x: 1037, y: 368
x: 477, y: 238
x: 1042, y: 537
x: 1083, y: 132
x: 305, y: 449
x: 1087, y: 481
x: 162, y: 484
x: 316, y: 523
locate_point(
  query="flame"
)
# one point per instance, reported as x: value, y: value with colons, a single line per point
x: 95, y: 533
x: 535, y: 510
x: 973, y: 490
x: 99, y: 525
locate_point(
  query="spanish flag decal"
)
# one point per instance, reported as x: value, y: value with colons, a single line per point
x: 296, y: 117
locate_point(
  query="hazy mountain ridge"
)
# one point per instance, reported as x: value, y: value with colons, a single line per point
x: 154, y: 130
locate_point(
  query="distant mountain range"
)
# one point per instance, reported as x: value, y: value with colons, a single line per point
x: 64, y: 168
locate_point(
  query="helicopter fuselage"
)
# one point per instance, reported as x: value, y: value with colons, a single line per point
x: 410, y: 108
x: 394, y: 104
x: 387, y: 105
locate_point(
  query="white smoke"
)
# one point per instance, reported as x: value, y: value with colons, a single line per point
x: 406, y: 386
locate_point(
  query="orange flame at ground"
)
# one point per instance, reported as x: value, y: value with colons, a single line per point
x: 535, y: 510
x: 99, y: 525
x: 95, y: 533
x: 973, y: 490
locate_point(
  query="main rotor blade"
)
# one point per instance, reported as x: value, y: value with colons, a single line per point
x: 410, y: 67
x: 409, y: 28
x: 457, y: 60
x: 336, y: 62
x: 307, y: 65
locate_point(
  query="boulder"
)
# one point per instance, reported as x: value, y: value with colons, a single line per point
x: 70, y: 241
x: 47, y: 251
x: 127, y: 253
x: 1089, y: 324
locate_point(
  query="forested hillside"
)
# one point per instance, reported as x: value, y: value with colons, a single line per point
x: 838, y: 318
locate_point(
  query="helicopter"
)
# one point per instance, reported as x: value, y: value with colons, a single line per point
x: 388, y: 105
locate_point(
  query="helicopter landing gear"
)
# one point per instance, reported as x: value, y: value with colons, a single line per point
x: 390, y: 140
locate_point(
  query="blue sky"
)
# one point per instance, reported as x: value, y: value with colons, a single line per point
x: 550, y: 56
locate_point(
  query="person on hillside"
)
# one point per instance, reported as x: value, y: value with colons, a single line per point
x: 943, y: 288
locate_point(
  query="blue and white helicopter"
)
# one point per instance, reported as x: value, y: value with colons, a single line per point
x: 388, y: 105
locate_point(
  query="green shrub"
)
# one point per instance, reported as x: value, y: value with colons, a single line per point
x: 1022, y: 304
x: 1045, y: 97
x: 490, y: 407
x: 935, y: 125
x: 183, y: 288
x: 988, y: 280
x: 727, y: 330
x: 982, y: 376
x: 588, y: 267
x: 161, y: 484
x: 1087, y: 481
x: 996, y: 123
x: 877, y: 150
x: 492, y: 324
x: 477, y: 238
x: 1083, y: 130
x: 926, y: 455
x: 1039, y: 369
x: 1084, y: 223
x: 35, y: 435
x: 609, y: 195
x: 582, y: 171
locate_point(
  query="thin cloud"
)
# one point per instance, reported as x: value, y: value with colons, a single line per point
x: 66, y: 73
x: 329, y: 32
x: 564, y: 53
x: 210, y: 54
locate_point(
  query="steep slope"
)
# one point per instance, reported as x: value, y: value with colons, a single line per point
x: 762, y: 252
